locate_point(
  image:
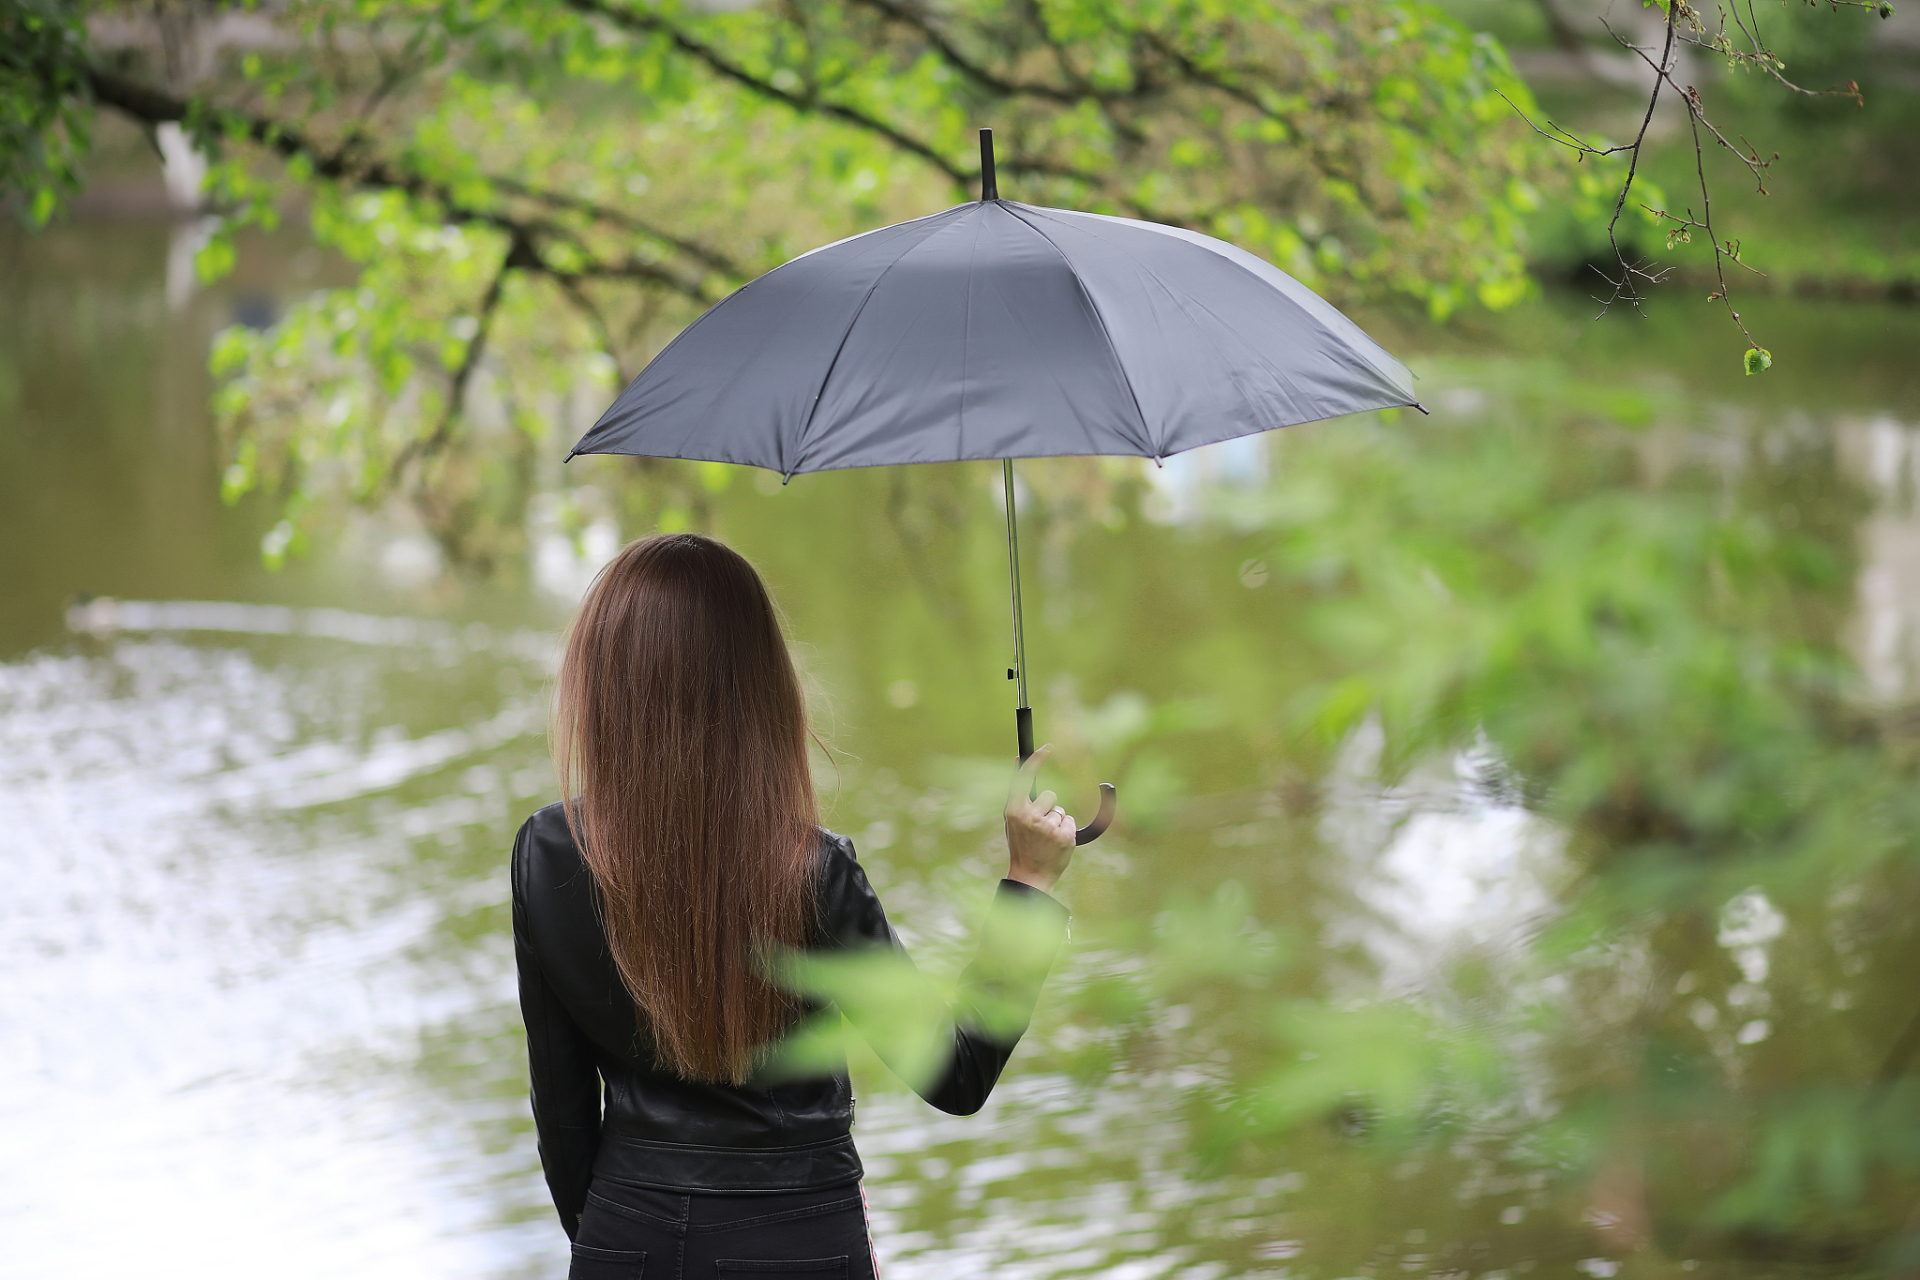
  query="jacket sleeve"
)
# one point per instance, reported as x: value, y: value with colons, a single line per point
x: 997, y: 993
x: 565, y: 1081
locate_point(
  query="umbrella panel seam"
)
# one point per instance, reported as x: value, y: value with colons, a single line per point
x: 1279, y: 374
x: 1395, y: 372
x: 1126, y: 380
x: 820, y: 393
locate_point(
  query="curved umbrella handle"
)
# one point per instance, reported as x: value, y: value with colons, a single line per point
x: 1023, y: 729
x: 1101, y: 820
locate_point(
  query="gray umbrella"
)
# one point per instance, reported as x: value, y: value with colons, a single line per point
x: 1000, y: 330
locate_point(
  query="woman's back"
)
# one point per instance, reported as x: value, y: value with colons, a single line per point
x: 769, y: 1132
x: 655, y: 913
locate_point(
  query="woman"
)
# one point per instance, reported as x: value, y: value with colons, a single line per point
x: 649, y: 913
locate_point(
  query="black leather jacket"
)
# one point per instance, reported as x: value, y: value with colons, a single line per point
x: 657, y: 1129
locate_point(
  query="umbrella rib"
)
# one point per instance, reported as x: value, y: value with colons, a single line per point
x: 806, y: 428
x: 966, y: 333
x: 1145, y: 431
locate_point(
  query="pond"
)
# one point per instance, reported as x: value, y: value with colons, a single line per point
x: 258, y: 997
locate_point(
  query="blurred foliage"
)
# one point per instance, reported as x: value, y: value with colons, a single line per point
x: 537, y: 194
x: 1629, y: 635
x: 1587, y: 634
x: 1656, y: 668
x: 906, y: 1016
x: 43, y: 116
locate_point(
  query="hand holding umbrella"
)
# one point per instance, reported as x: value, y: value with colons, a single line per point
x: 1040, y: 835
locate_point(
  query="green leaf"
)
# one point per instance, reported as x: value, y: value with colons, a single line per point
x: 1758, y: 360
x: 216, y: 257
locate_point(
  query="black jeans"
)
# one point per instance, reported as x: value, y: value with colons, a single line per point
x: 638, y: 1233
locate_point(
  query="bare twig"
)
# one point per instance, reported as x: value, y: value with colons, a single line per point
x: 1757, y: 54
x: 1720, y: 253
x: 1553, y: 132
x: 1626, y: 286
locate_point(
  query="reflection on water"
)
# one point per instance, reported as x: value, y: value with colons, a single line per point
x: 1441, y: 865
x: 257, y: 998
x: 1056, y: 1182
x: 220, y: 967
x: 1885, y: 455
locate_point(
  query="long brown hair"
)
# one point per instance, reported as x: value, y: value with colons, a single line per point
x: 680, y: 737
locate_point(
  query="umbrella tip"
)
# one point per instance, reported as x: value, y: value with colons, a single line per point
x: 989, y: 188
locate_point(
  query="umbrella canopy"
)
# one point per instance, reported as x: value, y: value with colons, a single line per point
x: 999, y: 330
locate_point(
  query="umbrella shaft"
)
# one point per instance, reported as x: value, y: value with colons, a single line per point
x: 1023, y: 716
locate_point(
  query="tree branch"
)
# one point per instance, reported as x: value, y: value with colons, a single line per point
x: 597, y: 319
x: 812, y: 103
x: 1720, y: 256
x: 714, y: 258
x: 347, y: 164
x: 1626, y: 287
x: 653, y: 24
x: 907, y: 15
x: 519, y: 254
